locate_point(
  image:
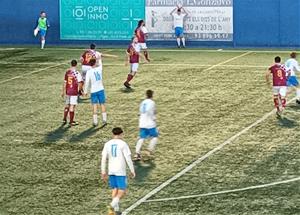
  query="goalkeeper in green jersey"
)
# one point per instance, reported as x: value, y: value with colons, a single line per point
x: 42, y: 26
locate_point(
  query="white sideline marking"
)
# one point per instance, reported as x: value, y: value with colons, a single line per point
x: 199, y: 160
x: 226, y: 191
x: 30, y: 73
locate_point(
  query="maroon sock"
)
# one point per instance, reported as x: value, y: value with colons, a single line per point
x: 129, y: 78
x: 72, y: 116
x: 66, y: 111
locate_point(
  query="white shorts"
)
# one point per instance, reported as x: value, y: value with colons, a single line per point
x: 142, y: 45
x: 71, y: 100
x: 134, y: 67
x: 84, y: 69
x: 279, y: 90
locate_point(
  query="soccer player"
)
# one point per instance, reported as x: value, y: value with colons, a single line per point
x: 141, y: 33
x: 94, y: 78
x: 147, y: 125
x: 279, y: 73
x: 118, y: 154
x: 89, y: 54
x: 72, y: 84
x: 178, y: 18
x: 132, y: 57
x: 42, y: 27
x: 293, y: 66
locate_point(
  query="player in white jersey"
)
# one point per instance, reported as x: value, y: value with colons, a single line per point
x: 178, y: 19
x: 94, y: 78
x: 293, y: 65
x: 118, y: 154
x: 147, y: 125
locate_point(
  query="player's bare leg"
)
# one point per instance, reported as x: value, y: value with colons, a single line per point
x: 116, y: 196
x: 138, y: 149
x: 178, y: 42
x: 298, y: 95
x: 183, y: 41
x: 95, y: 114
x: 277, y: 104
x: 104, y: 114
x: 43, y: 41
x: 151, y: 147
x: 66, y: 112
x: 146, y: 54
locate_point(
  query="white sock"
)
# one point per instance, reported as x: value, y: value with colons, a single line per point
x: 178, y: 41
x: 152, y: 144
x: 298, y: 94
x: 95, y: 119
x: 104, y: 117
x: 43, y: 43
x: 115, y: 203
x: 138, y: 146
x: 183, y: 41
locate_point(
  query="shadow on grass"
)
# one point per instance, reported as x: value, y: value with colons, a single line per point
x: 57, y: 134
x: 127, y: 90
x: 287, y: 123
x: 143, y: 169
x: 85, y: 134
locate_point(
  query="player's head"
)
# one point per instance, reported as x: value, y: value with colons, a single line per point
x: 117, y: 131
x: 43, y: 14
x: 149, y: 94
x: 93, y: 62
x: 93, y: 46
x: 141, y: 23
x: 178, y: 11
x: 134, y: 39
x: 293, y: 55
x: 74, y: 63
x: 277, y: 59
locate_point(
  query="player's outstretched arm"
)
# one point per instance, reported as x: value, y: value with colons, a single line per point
x: 110, y: 55
x: 268, y: 74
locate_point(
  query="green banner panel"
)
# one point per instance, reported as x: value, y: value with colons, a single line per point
x: 99, y: 19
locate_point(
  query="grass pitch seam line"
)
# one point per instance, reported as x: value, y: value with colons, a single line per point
x: 30, y: 73
x: 200, y: 159
x: 226, y: 191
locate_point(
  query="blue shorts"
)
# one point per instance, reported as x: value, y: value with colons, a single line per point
x: 98, y: 97
x: 148, y: 132
x: 292, y: 81
x: 118, y: 182
x: 179, y: 31
x: 43, y: 32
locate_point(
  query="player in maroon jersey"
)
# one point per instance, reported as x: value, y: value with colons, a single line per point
x: 72, y: 85
x: 141, y: 33
x: 279, y: 74
x: 86, y: 57
x: 132, y: 57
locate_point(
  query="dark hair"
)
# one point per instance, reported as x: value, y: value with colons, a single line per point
x: 140, y: 23
x: 92, y: 62
x: 93, y: 46
x: 117, y: 131
x: 178, y: 10
x: 74, y: 63
x: 293, y: 55
x: 149, y: 94
x: 42, y: 12
x: 277, y: 59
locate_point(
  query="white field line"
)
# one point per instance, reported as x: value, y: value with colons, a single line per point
x: 155, y: 64
x: 189, y: 50
x: 226, y: 191
x: 199, y: 160
x: 30, y: 73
